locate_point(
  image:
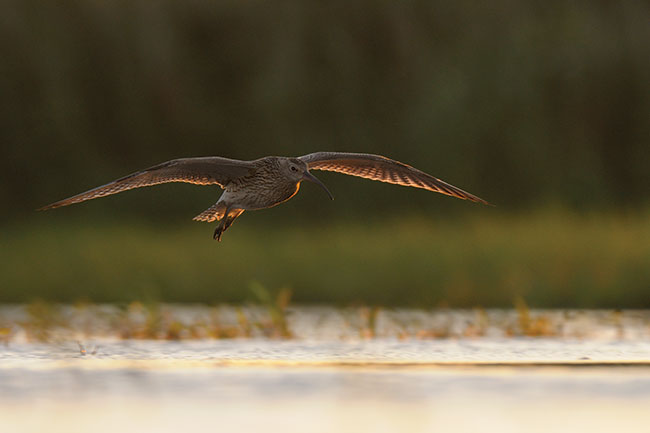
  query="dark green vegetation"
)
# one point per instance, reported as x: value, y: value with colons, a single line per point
x: 519, y: 102
x: 550, y: 259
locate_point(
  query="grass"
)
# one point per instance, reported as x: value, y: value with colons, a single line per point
x: 549, y: 258
x: 273, y: 318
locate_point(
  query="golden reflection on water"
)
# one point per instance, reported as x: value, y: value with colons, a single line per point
x: 500, y: 400
x: 342, y: 371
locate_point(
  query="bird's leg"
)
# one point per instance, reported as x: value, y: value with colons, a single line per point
x: 219, y: 230
x: 229, y: 217
x: 232, y: 216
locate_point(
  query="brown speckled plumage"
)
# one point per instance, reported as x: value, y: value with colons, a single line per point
x: 268, y: 181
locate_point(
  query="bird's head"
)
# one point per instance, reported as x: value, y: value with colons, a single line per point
x: 297, y: 170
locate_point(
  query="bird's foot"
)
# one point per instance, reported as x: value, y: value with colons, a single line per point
x: 217, y: 233
x: 226, y: 222
x: 222, y: 227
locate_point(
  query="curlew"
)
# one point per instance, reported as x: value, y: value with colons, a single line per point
x: 268, y: 181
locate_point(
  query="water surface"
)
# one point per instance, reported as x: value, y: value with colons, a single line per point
x: 332, y: 376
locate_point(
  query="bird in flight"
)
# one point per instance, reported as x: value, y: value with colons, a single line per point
x: 268, y: 181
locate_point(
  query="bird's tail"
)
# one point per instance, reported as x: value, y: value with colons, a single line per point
x: 213, y: 213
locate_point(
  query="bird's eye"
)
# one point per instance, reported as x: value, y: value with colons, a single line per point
x: 293, y: 168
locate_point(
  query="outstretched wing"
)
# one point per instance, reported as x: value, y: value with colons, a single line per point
x: 199, y: 171
x: 377, y: 167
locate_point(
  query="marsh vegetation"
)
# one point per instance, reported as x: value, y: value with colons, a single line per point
x: 551, y: 259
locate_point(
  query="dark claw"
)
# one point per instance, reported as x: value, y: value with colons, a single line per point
x: 217, y: 233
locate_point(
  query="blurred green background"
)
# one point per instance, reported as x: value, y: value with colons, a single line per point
x: 540, y: 108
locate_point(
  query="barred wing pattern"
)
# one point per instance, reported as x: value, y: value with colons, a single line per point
x: 198, y: 171
x: 377, y: 167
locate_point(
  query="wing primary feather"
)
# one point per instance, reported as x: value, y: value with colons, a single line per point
x: 198, y: 171
x: 383, y: 169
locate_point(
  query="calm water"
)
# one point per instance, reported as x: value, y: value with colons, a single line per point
x: 326, y: 381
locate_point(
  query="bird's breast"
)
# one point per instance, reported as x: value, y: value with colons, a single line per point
x: 261, y: 194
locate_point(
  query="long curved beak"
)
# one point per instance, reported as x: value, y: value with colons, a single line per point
x: 308, y: 176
